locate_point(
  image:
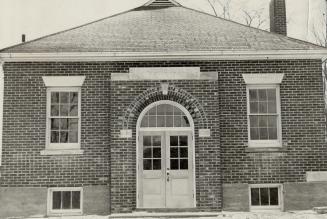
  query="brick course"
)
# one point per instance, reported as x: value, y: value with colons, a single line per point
x: 108, y: 159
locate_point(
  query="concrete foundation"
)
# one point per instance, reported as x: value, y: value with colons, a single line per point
x: 235, y: 197
x: 19, y: 201
x: 304, y: 196
x: 23, y: 201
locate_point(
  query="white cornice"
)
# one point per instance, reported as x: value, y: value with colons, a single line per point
x: 145, y: 56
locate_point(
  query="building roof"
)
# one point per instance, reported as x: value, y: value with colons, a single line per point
x: 161, y: 29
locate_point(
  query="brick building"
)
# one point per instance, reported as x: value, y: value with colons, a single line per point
x: 162, y: 107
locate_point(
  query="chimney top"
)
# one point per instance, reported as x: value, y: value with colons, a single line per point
x: 23, y: 38
x: 278, y: 17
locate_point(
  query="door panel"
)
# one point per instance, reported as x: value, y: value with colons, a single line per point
x: 179, y: 160
x: 152, y: 170
x: 166, y: 170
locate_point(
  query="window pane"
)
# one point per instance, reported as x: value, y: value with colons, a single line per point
x: 264, y: 196
x: 152, y: 121
x: 263, y: 133
x: 156, y: 152
x: 169, y: 121
x: 147, y: 153
x: 263, y: 108
x: 272, y: 107
x: 64, y: 109
x: 73, y: 137
x: 161, y: 109
x: 262, y: 94
x: 54, y: 137
x: 64, y: 97
x: 54, y: 110
x: 183, y: 152
x: 76, y: 199
x: 254, y: 134
x: 177, y: 111
x: 177, y: 121
x: 160, y: 121
x: 156, y: 140
x: 169, y: 109
x: 73, y: 124
x: 272, y: 121
x: 185, y: 122
x: 253, y: 94
x: 56, y: 200
x: 156, y: 164
x: 63, y: 137
x: 74, y: 97
x: 263, y: 123
x: 55, y: 124
x: 183, y: 140
x: 73, y: 110
x: 272, y: 133
x: 153, y: 111
x: 271, y: 93
x: 173, y: 140
x: 173, y: 152
x: 174, y: 164
x: 273, y: 196
x: 147, y: 164
x: 254, y: 121
x: 145, y: 122
x: 54, y: 97
x: 66, y: 200
x: 183, y: 164
x: 254, y: 107
x: 255, y: 201
x: 63, y: 124
x: 147, y: 140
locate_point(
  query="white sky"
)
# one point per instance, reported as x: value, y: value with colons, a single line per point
x: 37, y: 18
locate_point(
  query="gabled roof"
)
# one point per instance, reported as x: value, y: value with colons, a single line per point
x: 161, y: 29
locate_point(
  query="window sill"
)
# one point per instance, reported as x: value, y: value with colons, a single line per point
x: 61, y: 152
x: 265, y: 149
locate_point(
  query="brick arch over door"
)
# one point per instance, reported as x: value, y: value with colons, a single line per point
x: 175, y: 94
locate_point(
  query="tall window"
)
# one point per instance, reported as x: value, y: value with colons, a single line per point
x: 264, y: 115
x: 63, y: 118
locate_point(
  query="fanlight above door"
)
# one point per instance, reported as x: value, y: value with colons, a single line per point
x: 165, y: 115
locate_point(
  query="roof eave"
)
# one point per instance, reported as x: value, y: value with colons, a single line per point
x: 148, y: 56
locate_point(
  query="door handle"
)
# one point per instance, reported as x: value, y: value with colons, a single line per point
x: 167, y: 174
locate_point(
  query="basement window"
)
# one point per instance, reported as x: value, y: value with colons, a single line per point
x: 65, y: 201
x: 265, y: 197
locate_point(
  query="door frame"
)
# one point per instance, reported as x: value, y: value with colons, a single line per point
x: 170, y: 129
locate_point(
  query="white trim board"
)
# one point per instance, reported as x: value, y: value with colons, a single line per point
x: 263, y: 79
x: 164, y: 73
x: 63, y: 81
x: 182, y: 55
x: 1, y: 107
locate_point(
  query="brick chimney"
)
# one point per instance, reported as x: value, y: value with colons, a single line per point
x: 278, y: 17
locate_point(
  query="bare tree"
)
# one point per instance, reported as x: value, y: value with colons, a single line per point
x: 252, y: 18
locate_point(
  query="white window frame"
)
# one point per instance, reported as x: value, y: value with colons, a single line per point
x: 50, y: 211
x: 62, y: 146
x: 265, y: 143
x: 278, y: 207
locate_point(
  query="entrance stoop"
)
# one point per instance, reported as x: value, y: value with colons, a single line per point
x: 145, y: 214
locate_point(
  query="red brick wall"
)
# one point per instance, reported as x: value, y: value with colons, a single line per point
x: 104, y: 103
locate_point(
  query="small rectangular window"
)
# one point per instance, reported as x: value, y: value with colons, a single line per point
x: 65, y: 201
x: 63, y: 118
x: 265, y: 197
x: 264, y: 116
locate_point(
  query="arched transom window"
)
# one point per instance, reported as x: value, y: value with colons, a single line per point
x: 165, y: 115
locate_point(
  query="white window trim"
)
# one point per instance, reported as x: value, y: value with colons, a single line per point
x: 63, y: 81
x: 51, y: 212
x: 280, y: 205
x: 62, y: 148
x: 265, y: 143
